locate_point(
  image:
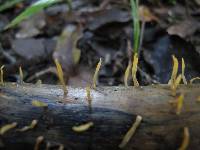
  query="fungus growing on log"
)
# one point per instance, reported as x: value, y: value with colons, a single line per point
x: 126, y: 75
x: 83, y: 127
x: 7, y: 127
x: 134, y: 70
x: 96, y: 74
x: 130, y: 132
x: 61, y: 76
x: 31, y: 126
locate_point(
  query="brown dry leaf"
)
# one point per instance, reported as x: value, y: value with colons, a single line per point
x: 146, y: 15
x: 184, y: 29
x: 66, y: 51
x: 33, y: 48
x: 107, y: 16
x: 83, y: 77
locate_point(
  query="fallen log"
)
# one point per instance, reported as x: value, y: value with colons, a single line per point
x: 113, y: 111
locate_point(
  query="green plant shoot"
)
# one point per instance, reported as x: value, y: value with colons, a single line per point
x: 136, y: 24
x: 33, y: 9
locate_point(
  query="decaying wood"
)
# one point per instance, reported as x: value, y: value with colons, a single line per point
x: 113, y: 111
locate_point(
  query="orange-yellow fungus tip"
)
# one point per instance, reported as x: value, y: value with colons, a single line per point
x: 83, y: 127
x: 183, y: 72
x: 88, y: 93
x: 186, y: 139
x: 96, y: 73
x: 7, y: 127
x: 61, y: 76
x: 134, y: 70
x: 179, y: 104
x: 174, y: 70
x: 126, y: 75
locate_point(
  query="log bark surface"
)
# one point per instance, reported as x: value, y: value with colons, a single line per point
x: 113, y: 111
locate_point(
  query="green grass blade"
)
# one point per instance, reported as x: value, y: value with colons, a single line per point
x: 136, y: 23
x: 33, y: 9
x: 9, y: 4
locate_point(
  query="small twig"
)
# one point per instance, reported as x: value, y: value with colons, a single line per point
x: 10, y: 58
x: 41, y: 73
x: 38, y: 142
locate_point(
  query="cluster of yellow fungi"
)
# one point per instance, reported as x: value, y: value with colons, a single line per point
x: 133, y: 70
x: 173, y: 82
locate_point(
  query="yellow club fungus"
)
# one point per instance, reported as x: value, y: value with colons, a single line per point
x: 37, y: 103
x: 174, y: 71
x: 179, y: 105
x: 186, y: 139
x: 39, y: 140
x: 88, y: 93
x: 31, y: 126
x: 175, y: 85
x: 193, y: 79
x: 183, y: 72
x: 21, y: 75
x: 39, y: 82
x: 7, y: 127
x: 2, y: 81
x: 174, y: 80
x: 130, y: 132
x: 134, y: 70
x: 126, y: 75
x: 83, y: 127
x: 96, y: 73
x: 61, y: 76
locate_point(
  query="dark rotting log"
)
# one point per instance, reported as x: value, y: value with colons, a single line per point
x: 113, y: 111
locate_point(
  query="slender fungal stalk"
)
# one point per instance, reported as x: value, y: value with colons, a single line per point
x: 1, y: 70
x: 21, y: 75
x: 61, y: 76
x: 96, y: 74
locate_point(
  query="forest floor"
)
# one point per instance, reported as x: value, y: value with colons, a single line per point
x: 96, y: 29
